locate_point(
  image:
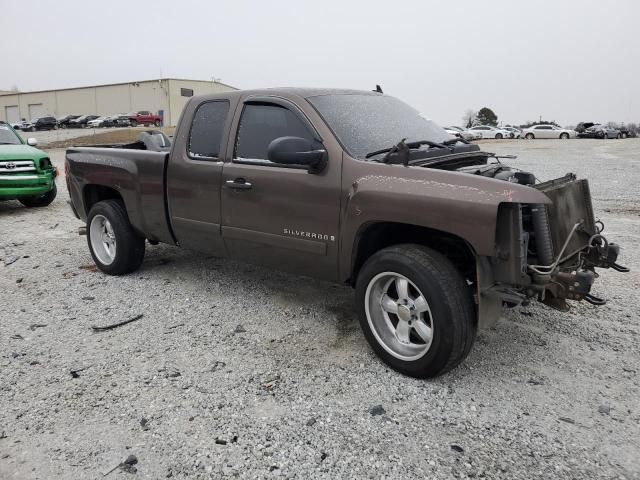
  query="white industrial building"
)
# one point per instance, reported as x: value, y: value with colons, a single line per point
x: 165, y: 97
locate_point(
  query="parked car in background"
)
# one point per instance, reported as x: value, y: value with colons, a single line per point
x: 600, y: 131
x: 582, y: 126
x: 96, y: 122
x: 19, y: 125
x: 109, y: 121
x: 465, y: 134
x: 548, y: 131
x: 122, y: 121
x: 41, y: 123
x: 63, y: 122
x: 81, y: 121
x: 146, y: 118
x: 487, y: 131
x: 452, y: 132
x: 625, y: 132
x: 26, y: 173
x: 513, y: 131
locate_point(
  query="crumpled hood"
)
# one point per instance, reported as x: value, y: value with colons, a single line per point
x: 19, y: 152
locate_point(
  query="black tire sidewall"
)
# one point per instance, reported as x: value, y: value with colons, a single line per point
x: 129, y: 245
x: 437, y: 358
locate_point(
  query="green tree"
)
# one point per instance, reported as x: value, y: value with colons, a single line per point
x: 486, y: 117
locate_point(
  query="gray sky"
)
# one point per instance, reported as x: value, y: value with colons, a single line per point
x: 567, y: 60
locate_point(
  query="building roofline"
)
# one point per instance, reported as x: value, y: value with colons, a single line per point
x: 114, y: 85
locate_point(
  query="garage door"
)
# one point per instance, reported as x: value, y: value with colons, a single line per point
x: 12, y: 114
x: 36, y: 110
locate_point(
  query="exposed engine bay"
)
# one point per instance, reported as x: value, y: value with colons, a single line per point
x: 544, y: 251
x: 558, y: 245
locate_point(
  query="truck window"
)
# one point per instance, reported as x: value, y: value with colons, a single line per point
x: 260, y: 124
x: 206, y: 129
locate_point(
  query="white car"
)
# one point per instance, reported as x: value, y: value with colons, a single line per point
x: 487, y: 131
x: 466, y: 134
x: 513, y: 132
x: 452, y: 132
x: 547, y: 131
x: 96, y: 122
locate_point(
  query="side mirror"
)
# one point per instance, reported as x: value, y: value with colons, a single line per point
x: 297, y: 151
x: 32, y: 141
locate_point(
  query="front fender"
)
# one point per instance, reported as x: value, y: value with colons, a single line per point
x: 460, y: 204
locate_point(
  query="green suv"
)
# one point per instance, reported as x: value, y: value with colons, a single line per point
x: 26, y: 173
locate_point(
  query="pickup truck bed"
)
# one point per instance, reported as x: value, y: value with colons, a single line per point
x: 136, y: 174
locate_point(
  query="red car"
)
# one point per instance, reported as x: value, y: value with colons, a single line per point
x: 146, y: 118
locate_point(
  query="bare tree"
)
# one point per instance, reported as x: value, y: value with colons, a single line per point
x: 469, y: 118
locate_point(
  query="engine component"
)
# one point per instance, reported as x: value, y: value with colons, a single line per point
x: 544, y: 245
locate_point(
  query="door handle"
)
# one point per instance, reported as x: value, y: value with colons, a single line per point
x: 238, y: 184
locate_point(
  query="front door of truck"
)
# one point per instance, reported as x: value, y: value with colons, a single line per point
x: 193, y: 178
x: 278, y: 216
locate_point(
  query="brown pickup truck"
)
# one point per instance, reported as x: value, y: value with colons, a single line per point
x: 354, y: 187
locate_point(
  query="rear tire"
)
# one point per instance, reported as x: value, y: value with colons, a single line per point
x: 433, y: 327
x: 157, y: 123
x: 114, y: 245
x: 40, y: 200
x: 623, y: 135
x: 564, y: 136
x: 134, y: 123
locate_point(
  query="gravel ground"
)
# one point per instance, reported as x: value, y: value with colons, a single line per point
x: 236, y: 371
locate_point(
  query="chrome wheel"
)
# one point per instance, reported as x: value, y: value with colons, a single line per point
x: 103, y: 239
x: 399, y: 316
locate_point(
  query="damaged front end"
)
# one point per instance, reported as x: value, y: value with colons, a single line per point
x: 550, y: 251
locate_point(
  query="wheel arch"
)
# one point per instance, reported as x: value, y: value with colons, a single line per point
x: 94, y: 193
x: 375, y: 236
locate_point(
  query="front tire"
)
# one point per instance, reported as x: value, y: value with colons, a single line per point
x: 40, y: 200
x: 415, y: 310
x: 564, y: 136
x: 115, y: 247
x: 529, y: 136
x: 498, y: 136
x: 157, y: 123
x: 134, y: 123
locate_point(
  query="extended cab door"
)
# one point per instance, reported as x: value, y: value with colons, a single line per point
x: 194, y: 175
x: 276, y: 215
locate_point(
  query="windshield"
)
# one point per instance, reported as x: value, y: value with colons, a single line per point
x: 8, y: 136
x: 366, y: 123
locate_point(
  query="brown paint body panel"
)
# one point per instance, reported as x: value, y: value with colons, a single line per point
x: 289, y: 219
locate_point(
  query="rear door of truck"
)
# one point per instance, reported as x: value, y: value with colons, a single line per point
x: 194, y: 176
